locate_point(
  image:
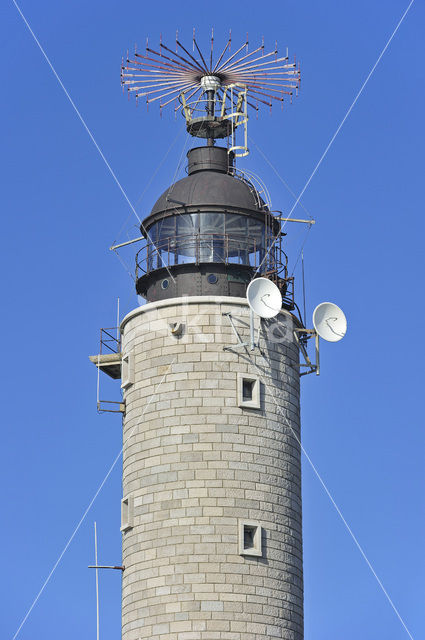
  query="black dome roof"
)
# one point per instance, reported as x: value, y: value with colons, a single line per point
x: 209, y: 188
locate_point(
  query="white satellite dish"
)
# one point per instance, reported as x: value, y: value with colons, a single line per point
x: 329, y: 321
x: 264, y: 297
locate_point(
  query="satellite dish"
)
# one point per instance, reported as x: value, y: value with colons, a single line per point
x: 264, y: 297
x: 329, y: 321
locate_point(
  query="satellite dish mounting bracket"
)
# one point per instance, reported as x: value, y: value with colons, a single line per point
x: 240, y: 343
x: 301, y: 335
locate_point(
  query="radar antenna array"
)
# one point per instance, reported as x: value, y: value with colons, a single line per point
x: 163, y: 75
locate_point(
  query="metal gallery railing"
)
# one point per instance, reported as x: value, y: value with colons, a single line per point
x: 110, y: 340
x: 211, y: 247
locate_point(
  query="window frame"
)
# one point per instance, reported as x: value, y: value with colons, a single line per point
x: 257, y: 548
x: 255, y: 402
x: 127, y: 370
x: 127, y: 513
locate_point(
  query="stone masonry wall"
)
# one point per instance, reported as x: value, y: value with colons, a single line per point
x: 196, y: 465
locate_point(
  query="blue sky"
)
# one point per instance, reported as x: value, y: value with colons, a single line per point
x: 362, y: 418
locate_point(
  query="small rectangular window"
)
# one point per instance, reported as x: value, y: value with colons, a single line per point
x: 248, y: 537
x: 127, y: 370
x: 250, y: 534
x: 127, y: 513
x: 248, y: 391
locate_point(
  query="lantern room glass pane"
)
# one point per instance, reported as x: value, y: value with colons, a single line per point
x: 208, y: 237
x: 185, y: 242
x: 187, y: 224
x: 211, y: 232
x: 238, y: 241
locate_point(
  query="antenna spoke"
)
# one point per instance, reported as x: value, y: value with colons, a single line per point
x: 164, y: 66
x: 175, y: 64
x: 200, y: 53
x: 197, y: 67
x: 264, y: 64
x: 269, y: 84
x: 231, y: 57
x: 212, y: 49
x: 141, y: 79
x: 178, y: 64
x: 260, y: 72
x: 154, y: 86
x: 293, y: 76
x: 222, y: 54
x: 237, y: 63
x: 267, y: 95
x: 190, y: 55
x: 155, y: 75
x: 168, y: 93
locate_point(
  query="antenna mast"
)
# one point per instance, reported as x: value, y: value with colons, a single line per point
x: 97, y: 583
x: 214, y: 94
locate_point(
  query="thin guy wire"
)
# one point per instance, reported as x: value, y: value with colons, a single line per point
x: 338, y: 510
x: 301, y: 250
x: 83, y: 517
x: 279, y: 176
x: 173, y: 180
x: 170, y: 189
x: 303, y: 279
x: 150, y: 180
x: 162, y: 162
x: 294, y: 195
x: 178, y: 166
x: 339, y: 127
x: 173, y: 183
x: 124, y: 264
x: 82, y: 121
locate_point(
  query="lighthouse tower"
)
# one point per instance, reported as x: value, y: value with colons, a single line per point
x: 211, y: 508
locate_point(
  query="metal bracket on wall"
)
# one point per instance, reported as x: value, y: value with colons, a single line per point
x: 176, y: 329
x: 110, y: 406
x: 106, y: 566
x: 301, y: 336
x: 235, y: 331
x: 310, y: 222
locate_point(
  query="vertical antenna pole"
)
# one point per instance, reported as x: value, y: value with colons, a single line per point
x: 212, y: 47
x: 97, y: 582
x: 251, y: 327
x: 317, y: 355
x: 302, y: 266
x: 98, y: 381
x: 118, y: 321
